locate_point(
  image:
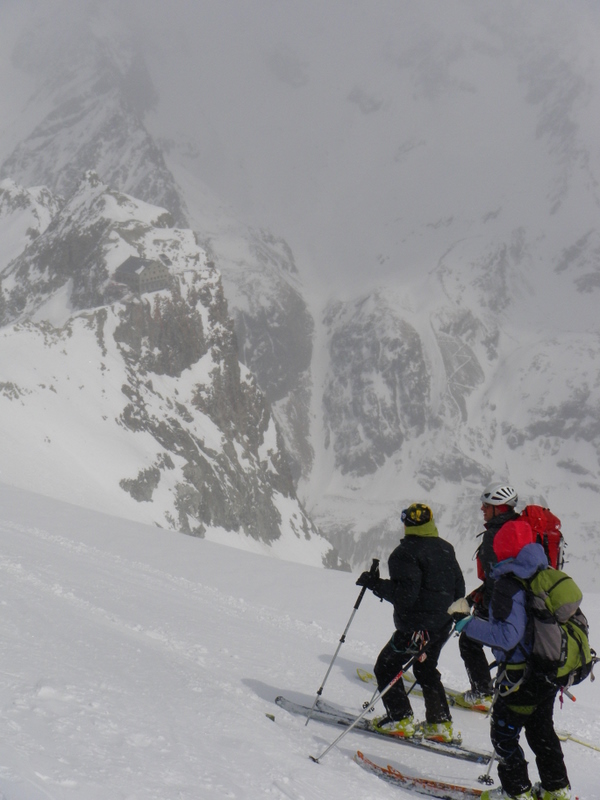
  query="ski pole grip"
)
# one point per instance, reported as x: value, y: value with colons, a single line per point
x: 374, y: 571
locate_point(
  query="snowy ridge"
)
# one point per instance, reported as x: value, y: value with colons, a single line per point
x: 141, y: 664
x: 92, y: 92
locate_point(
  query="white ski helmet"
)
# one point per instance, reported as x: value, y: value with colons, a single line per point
x: 499, y: 494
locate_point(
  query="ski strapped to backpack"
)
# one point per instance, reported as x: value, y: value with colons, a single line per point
x: 561, y: 649
x: 546, y: 527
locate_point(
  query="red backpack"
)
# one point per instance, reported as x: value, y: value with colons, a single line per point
x: 546, y: 527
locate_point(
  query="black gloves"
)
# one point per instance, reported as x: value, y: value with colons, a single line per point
x: 369, y: 579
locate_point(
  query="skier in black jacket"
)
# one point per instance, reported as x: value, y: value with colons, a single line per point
x: 424, y: 579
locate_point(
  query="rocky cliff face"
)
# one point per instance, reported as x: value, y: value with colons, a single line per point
x: 74, y: 249
x: 435, y: 405
x: 232, y: 487
x: 194, y: 444
x: 379, y: 387
x: 397, y: 376
x: 275, y: 332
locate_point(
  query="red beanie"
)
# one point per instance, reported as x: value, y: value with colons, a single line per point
x: 512, y: 538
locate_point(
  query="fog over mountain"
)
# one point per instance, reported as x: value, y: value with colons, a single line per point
x: 401, y: 201
x: 354, y: 128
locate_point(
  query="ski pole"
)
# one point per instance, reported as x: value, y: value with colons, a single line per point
x: 375, y: 572
x: 486, y: 777
x: 374, y: 698
x: 353, y: 724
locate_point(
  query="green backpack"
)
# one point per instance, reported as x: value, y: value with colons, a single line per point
x: 561, y: 648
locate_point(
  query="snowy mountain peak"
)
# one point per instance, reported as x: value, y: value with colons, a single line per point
x: 124, y: 316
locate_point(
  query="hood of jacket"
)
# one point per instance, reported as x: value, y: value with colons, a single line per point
x: 531, y: 559
x: 498, y: 521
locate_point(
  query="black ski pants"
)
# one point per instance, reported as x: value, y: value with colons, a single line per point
x: 394, y: 656
x: 476, y: 664
x: 531, y: 707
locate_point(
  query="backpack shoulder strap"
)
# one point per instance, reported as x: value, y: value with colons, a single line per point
x: 504, y: 591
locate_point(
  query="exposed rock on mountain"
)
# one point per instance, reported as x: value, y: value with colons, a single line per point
x: 74, y: 248
x: 434, y: 405
x: 191, y: 435
x: 274, y: 330
x: 379, y: 385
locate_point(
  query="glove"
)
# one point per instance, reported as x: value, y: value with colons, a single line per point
x: 459, y: 609
x: 462, y: 624
x: 369, y: 580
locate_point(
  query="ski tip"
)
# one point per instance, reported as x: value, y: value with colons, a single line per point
x: 271, y: 717
x: 316, y: 760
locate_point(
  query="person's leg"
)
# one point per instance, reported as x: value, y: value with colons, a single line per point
x: 542, y: 738
x: 512, y: 767
x: 389, y: 663
x: 476, y: 664
x: 430, y: 680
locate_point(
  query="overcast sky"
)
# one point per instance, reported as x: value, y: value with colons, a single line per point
x: 371, y: 134
x: 356, y: 128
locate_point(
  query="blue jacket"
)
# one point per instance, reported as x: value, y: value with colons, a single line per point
x: 506, y: 631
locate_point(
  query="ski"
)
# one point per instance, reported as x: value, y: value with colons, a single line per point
x: 426, y: 786
x: 331, y: 715
x: 451, y: 694
x: 565, y: 736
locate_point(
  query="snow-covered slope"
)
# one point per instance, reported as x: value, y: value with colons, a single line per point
x: 141, y: 664
x: 24, y: 214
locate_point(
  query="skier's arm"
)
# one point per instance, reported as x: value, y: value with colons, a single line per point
x: 459, y: 581
x: 506, y: 629
x: 404, y: 584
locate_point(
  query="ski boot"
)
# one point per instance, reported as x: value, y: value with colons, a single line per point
x: 439, y: 731
x: 403, y: 728
x: 545, y: 794
x: 474, y: 700
x: 500, y: 794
